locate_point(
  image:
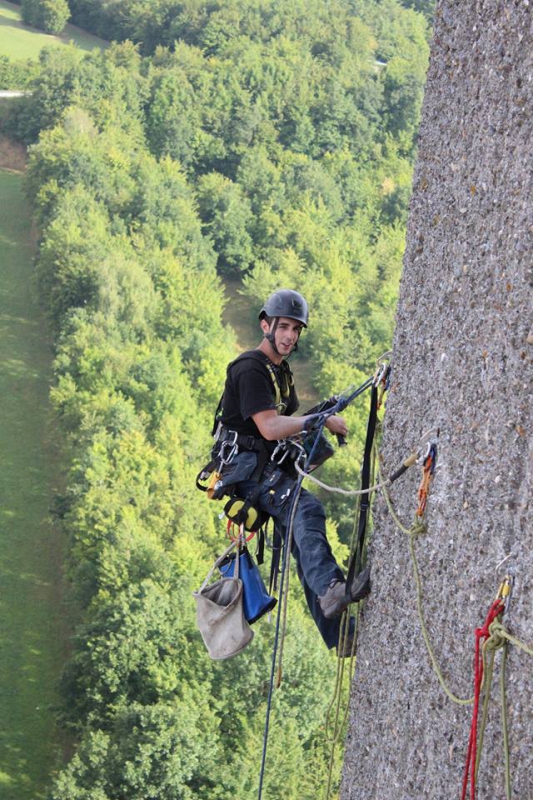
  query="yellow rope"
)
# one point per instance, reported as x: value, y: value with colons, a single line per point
x: 498, y: 630
x: 505, y: 729
x: 488, y: 669
x: 418, y: 528
x: 498, y: 639
x: 339, y: 701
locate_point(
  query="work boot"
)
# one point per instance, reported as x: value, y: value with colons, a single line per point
x: 361, y: 585
x: 338, y: 597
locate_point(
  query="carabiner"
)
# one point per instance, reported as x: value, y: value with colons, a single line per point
x: 281, y: 446
x: 230, y: 445
x: 505, y: 591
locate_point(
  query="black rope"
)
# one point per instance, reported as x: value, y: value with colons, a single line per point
x: 364, y: 506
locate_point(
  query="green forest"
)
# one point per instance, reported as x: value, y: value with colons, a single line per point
x: 212, y: 153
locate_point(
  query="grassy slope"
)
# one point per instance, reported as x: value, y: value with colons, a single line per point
x: 32, y: 629
x: 18, y: 41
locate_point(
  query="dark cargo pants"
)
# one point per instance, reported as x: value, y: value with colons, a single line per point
x: 315, y: 562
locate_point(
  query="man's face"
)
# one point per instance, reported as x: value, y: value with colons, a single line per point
x: 287, y: 334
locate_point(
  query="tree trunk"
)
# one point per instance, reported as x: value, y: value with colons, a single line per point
x: 462, y: 363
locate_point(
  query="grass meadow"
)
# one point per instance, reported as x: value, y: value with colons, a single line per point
x: 20, y: 42
x: 33, y: 632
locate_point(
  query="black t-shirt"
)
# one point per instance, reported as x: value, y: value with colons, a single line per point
x: 250, y: 388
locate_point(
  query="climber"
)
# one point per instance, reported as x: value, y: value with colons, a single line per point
x: 255, y: 414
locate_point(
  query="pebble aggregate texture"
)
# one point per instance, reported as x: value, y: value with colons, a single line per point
x: 462, y: 361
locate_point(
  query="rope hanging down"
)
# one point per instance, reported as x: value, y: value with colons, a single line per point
x: 482, y: 638
x: 357, y: 558
x: 485, y: 642
x: 375, y: 382
x: 491, y: 636
x: 418, y: 528
x: 282, y: 601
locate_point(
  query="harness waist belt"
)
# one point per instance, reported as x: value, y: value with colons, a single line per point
x: 243, y: 440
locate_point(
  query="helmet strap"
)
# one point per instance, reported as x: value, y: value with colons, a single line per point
x: 271, y: 337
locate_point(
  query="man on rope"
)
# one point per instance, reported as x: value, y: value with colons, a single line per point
x: 254, y: 417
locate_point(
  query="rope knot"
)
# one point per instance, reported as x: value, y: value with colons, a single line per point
x: 418, y: 528
x: 497, y: 636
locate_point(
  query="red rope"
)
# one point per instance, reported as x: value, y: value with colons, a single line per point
x: 481, y: 634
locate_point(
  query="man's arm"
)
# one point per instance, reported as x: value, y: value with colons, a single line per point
x: 274, y: 426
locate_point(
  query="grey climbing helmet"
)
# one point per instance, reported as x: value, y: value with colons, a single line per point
x: 286, y: 303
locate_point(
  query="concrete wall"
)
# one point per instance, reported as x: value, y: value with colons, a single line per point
x: 462, y: 361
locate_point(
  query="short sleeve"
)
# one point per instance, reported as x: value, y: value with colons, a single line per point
x: 254, y: 388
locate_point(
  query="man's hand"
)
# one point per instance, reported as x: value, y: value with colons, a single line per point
x: 337, y: 425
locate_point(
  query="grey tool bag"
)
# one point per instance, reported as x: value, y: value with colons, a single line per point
x: 220, y: 614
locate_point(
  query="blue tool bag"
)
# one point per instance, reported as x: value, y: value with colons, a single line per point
x: 257, y: 601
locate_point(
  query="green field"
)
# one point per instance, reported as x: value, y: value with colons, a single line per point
x: 18, y: 41
x: 33, y: 631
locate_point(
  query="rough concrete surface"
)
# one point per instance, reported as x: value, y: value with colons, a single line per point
x: 462, y: 361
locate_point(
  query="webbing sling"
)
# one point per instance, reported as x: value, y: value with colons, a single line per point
x: 357, y: 555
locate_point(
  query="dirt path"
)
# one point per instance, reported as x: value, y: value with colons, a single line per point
x: 13, y: 156
x: 32, y: 627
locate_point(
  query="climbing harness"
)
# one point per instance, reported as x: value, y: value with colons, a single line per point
x: 218, y: 478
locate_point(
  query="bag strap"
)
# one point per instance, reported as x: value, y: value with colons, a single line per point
x: 217, y: 563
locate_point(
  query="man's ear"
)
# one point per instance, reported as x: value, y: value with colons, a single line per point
x: 265, y: 326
